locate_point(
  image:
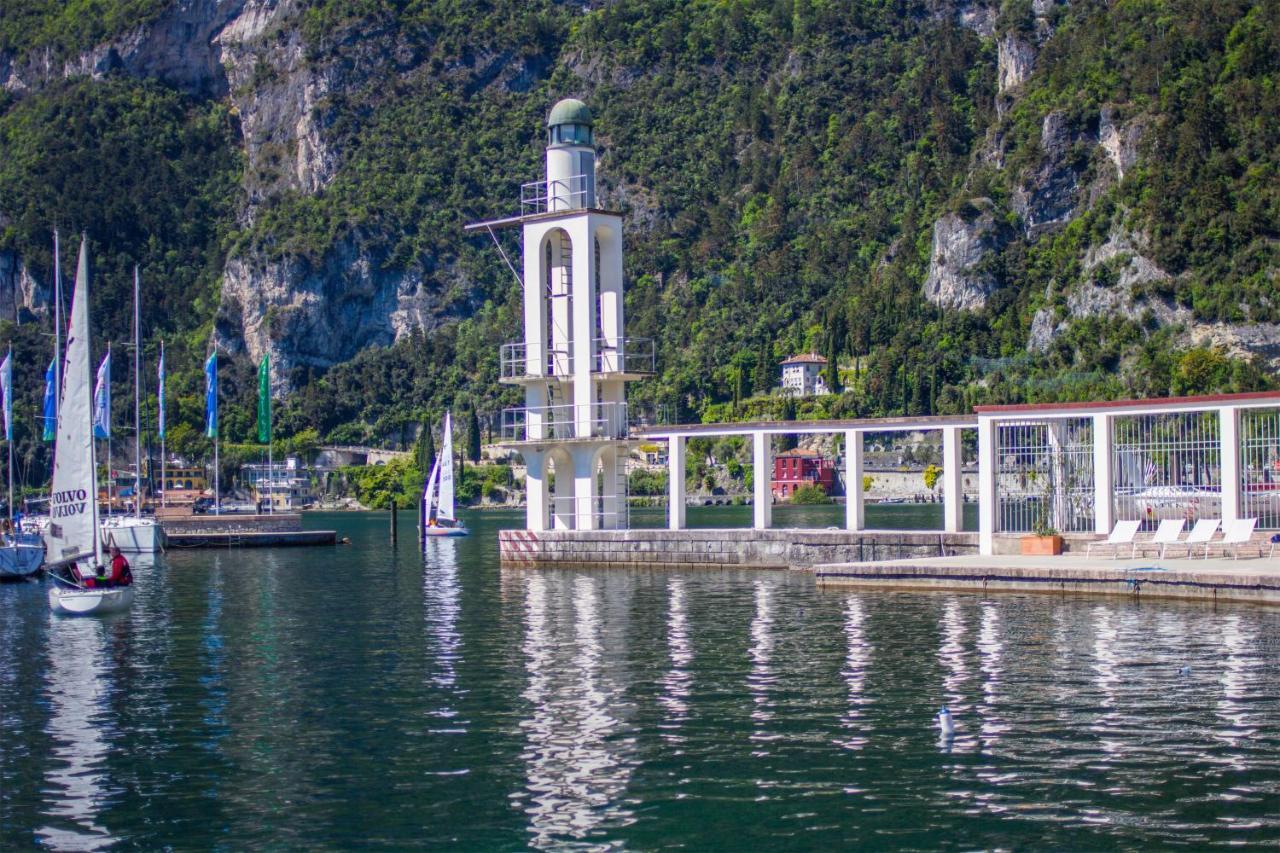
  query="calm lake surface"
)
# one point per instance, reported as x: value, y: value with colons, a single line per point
x: 371, y: 696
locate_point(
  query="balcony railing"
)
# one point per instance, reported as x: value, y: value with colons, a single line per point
x: 573, y: 193
x: 558, y: 423
x: 610, y: 355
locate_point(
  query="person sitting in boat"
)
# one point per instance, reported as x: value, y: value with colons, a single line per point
x: 121, y: 574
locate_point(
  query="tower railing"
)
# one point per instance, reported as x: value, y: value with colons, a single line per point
x: 609, y: 355
x: 574, y: 193
x: 568, y: 421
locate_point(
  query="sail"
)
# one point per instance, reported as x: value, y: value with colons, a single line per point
x: 446, y: 470
x: 429, y: 494
x: 73, y: 506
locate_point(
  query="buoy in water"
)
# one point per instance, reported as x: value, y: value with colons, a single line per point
x: 945, y: 725
x: 1185, y: 671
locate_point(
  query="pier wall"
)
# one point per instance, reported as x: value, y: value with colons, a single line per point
x: 740, y: 548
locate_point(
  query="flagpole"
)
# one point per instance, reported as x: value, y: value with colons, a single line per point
x: 110, y: 499
x: 137, y: 396
x: 164, y: 491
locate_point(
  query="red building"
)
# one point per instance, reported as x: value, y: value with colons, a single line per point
x: 795, y: 468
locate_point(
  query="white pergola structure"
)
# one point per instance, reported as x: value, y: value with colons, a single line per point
x: 762, y: 434
x: 1081, y: 467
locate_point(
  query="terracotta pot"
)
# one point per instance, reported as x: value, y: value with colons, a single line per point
x: 1041, y: 546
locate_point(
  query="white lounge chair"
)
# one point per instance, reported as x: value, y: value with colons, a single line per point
x: 1236, y: 534
x: 1167, y: 534
x: 1122, y: 534
x: 1201, y: 534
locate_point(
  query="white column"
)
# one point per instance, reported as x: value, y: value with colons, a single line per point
x: 986, y: 486
x: 586, y: 412
x: 854, y: 513
x: 762, y: 460
x: 535, y: 481
x: 952, y: 481
x: 1229, y: 436
x: 675, y: 482
x: 1104, y: 516
x: 585, y: 493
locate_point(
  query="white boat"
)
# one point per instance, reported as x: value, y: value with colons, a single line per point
x: 1164, y: 502
x: 70, y: 601
x: 133, y: 534
x: 436, y: 516
x: 73, y: 536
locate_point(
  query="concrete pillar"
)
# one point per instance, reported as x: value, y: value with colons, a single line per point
x: 585, y: 492
x: 762, y: 460
x: 1104, y: 480
x: 854, y: 511
x: 952, y: 481
x: 987, y: 495
x: 535, y: 462
x: 563, y: 502
x: 1229, y: 436
x: 675, y: 483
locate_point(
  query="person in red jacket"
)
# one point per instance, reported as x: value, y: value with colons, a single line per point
x: 120, y: 573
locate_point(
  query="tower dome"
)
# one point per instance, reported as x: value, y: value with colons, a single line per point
x: 569, y: 123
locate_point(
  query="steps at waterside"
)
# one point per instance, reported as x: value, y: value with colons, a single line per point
x: 240, y: 531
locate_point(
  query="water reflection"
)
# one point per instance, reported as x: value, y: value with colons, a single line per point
x: 955, y: 674
x: 77, y: 783
x: 577, y: 765
x: 761, y: 678
x: 1106, y: 659
x: 857, y: 661
x: 991, y: 663
x: 1238, y: 663
x: 678, y: 679
x: 441, y: 610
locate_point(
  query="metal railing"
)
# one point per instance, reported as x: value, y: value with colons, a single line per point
x: 1044, y: 475
x: 573, y: 193
x: 609, y: 355
x: 515, y: 361
x: 569, y: 421
x: 1260, y: 467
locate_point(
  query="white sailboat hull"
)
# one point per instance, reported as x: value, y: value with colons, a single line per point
x: 134, y: 535
x: 445, y: 531
x: 90, y: 602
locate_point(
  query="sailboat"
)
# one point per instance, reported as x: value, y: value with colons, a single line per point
x: 72, y: 536
x: 134, y: 534
x: 20, y: 553
x: 436, y: 517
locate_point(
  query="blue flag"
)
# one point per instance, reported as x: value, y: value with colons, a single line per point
x: 6, y: 387
x: 102, y: 399
x: 211, y: 396
x: 50, y: 404
x: 160, y: 392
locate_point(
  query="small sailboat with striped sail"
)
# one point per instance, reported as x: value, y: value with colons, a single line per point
x: 437, y: 514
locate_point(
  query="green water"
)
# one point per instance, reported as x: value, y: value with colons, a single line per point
x: 369, y: 696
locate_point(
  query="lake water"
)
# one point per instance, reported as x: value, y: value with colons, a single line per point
x: 324, y: 698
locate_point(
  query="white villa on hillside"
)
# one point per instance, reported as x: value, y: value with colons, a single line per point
x: 802, y: 375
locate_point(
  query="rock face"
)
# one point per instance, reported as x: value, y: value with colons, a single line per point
x: 961, y: 272
x: 1015, y: 58
x: 21, y: 294
x: 1119, y: 141
x: 317, y: 317
x: 179, y: 48
x: 1048, y: 196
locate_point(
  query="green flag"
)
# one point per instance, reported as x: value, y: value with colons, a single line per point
x: 264, y: 400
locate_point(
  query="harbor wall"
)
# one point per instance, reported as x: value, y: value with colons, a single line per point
x: 739, y: 548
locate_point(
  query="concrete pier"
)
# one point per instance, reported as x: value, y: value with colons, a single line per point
x: 279, y: 529
x: 1255, y: 581
x: 682, y: 549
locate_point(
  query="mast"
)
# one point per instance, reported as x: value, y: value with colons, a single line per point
x: 57, y: 330
x: 164, y: 491
x: 137, y: 396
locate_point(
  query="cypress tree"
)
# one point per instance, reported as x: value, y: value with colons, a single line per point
x: 424, y: 452
x: 764, y: 368
x: 473, y: 436
x: 833, y: 367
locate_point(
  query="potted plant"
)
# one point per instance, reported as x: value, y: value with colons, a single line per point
x: 1044, y: 540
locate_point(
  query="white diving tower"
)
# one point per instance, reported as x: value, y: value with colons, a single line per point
x: 574, y: 361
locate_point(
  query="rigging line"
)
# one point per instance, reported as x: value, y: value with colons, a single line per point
x: 507, y: 260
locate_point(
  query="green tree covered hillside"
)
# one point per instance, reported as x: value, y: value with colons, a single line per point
x: 788, y: 168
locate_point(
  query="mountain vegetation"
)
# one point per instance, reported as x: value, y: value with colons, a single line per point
x: 787, y: 169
